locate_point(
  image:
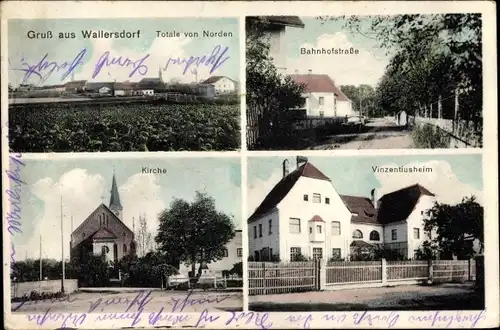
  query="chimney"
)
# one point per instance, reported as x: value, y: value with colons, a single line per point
x: 310, y: 71
x: 375, y: 198
x: 301, y: 160
x: 285, y: 168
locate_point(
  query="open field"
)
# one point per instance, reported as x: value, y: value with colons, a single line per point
x: 153, y: 126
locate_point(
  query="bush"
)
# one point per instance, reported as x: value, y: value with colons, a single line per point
x: 429, y: 137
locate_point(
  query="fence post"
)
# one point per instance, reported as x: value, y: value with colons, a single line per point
x: 322, y: 274
x: 215, y: 282
x: 384, y: 271
x: 430, y: 271
x: 469, y: 277
x: 264, y: 276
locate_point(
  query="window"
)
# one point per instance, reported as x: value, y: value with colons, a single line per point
x: 254, y: 231
x: 226, y: 253
x: 374, y: 236
x: 327, y: 200
x: 416, y: 233
x: 260, y: 230
x: 310, y: 230
x: 357, y: 234
x: 316, y: 198
x: 321, y: 113
x: 306, y: 197
x: 335, y: 228
x: 124, y: 248
x: 294, y: 252
x: 336, y: 254
x: 294, y: 225
x: 321, y: 100
x: 317, y: 253
x: 270, y: 222
x: 256, y: 256
x: 100, y: 221
x: 394, y: 234
x: 105, y: 250
x: 318, y: 229
x: 239, y: 252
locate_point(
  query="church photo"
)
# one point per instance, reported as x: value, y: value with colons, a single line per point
x: 126, y: 223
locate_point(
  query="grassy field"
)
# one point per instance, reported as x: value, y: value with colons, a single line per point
x: 73, y: 127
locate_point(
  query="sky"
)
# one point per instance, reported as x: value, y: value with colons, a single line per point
x: 367, y: 67
x: 453, y: 177
x: 25, y: 52
x: 85, y: 183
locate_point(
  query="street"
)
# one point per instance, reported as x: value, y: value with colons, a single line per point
x: 150, y: 301
x: 379, y: 133
x: 409, y: 297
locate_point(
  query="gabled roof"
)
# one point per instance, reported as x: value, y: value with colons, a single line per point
x: 100, y: 207
x: 103, y: 232
x: 319, y: 83
x: 398, y: 205
x: 75, y: 83
x: 99, y: 85
x: 282, y: 188
x: 363, y: 207
x: 214, y: 79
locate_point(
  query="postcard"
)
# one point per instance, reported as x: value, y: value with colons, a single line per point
x: 249, y: 165
x: 88, y: 85
x: 121, y: 225
x: 359, y: 82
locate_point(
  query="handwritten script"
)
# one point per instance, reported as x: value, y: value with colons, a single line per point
x: 42, y: 69
x: 14, y: 199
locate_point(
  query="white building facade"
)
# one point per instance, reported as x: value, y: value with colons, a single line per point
x: 304, y: 215
x: 221, y: 84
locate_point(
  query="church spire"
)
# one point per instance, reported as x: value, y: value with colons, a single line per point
x: 115, y: 204
x: 160, y: 74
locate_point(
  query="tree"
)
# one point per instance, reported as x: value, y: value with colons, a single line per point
x: 456, y: 227
x: 143, y: 237
x: 194, y: 232
x: 269, y: 94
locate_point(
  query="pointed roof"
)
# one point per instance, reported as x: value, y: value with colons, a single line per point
x: 282, y: 188
x: 398, y: 205
x: 114, y: 200
x: 363, y: 207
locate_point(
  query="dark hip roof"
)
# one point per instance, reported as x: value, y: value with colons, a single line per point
x: 398, y: 205
x: 363, y: 207
x: 282, y: 188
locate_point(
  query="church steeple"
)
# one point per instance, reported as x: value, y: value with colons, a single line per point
x: 115, y: 204
x: 160, y: 74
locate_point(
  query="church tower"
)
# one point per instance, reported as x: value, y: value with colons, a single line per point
x: 115, y: 204
x: 160, y: 74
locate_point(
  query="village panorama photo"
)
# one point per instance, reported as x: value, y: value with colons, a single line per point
x: 364, y: 82
x: 94, y: 85
x: 353, y: 233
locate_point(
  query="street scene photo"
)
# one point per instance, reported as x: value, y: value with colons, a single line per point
x: 107, y: 236
x: 365, y: 233
x: 364, y: 82
x: 94, y: 85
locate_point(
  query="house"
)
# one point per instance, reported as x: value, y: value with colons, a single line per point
x: 123, y: 88
x: 105, y: 90
x: 222, y: 85
x: 322, y: 97
x: 99, y: 87
x: 103, y: 232
x: 275, y: 30
x: 305, y: 215
x: 233, y: 255
x: 401, y: 118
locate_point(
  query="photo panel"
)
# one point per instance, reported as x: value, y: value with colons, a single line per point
x: 151, y: 242
x: 157, y: 84
x: 365, y: 233
x: 361, y: 82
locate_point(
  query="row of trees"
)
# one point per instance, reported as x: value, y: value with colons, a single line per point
x: 432, y: 56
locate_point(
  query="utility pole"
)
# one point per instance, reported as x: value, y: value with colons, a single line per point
x: 41, y: 273
x: 62, y: 249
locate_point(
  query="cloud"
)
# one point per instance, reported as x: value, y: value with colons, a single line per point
x: 82, y: 193
x: 258, y: 190
x: 159, y: 52
x: 352, y: 69
x: 442, y: 182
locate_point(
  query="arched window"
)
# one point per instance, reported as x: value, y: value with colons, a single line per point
x: 105, y: 249
x: 374, y: 236
x: 357, y: 234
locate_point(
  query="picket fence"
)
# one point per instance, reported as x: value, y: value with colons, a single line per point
x: 275, y: 278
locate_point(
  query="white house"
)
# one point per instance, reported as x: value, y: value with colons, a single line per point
x: 104, y: 90
x: 234, y: 254
x: 222, y: 85
x: 275, y: 27
x: 322, y: 97
x: 304, y: 214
